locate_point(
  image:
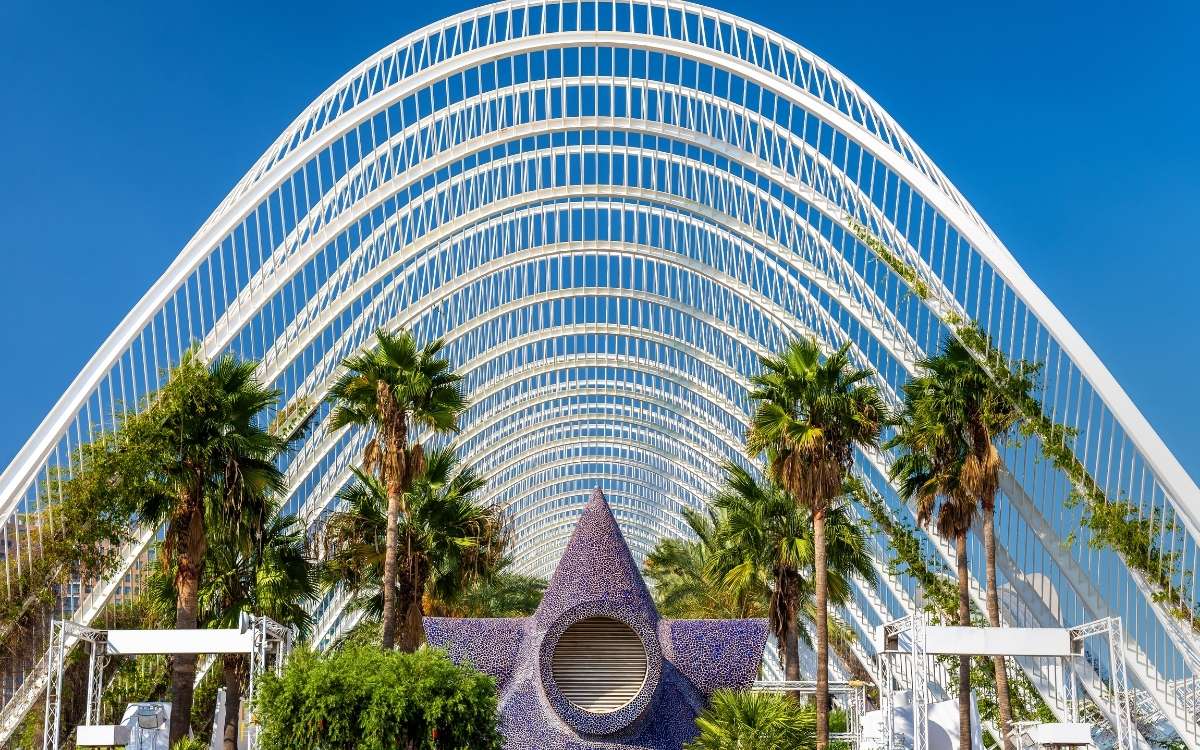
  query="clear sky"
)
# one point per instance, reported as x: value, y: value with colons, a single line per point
x: 1072, y: 127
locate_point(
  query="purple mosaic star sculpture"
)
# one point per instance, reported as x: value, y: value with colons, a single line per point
x: 686, y: 660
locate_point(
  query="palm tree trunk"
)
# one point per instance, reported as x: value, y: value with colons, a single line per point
x: 390, y: 555
x: 993, y: 611
x: 964, y: 662
x: 858, y: 670
x: 231, y: 665
x: 791, y: 644
x: 394, y: 438
x: 821, y: 573
x: 189, y: 548
x: 412, y: 591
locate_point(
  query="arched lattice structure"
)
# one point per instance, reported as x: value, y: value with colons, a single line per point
x: 610, y: 210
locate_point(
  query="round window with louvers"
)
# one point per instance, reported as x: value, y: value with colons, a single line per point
x: 599, y: 665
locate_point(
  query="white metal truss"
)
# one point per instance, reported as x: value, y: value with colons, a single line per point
x: 269, y: 644
x: 610, y: 210
x: 851, y: 694
x: 905, y: 642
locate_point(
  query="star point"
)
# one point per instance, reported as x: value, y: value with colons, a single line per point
x: 597, y: 580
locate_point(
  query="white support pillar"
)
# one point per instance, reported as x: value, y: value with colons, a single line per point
x: 54, y: 662
x: 97, y: 660
x: 920, y: 672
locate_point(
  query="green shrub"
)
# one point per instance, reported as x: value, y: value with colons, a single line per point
x: 755, y: 721
x: 364, y: 698
x: 190, y: 743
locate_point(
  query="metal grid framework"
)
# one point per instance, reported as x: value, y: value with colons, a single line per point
x: 610, y: 210
x: 270, y: 646
x: 904, y: 660
x: 852, y: 696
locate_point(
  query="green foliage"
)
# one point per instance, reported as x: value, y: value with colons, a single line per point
x: 941, y: 605
x: 499, y: 593
x: 366, y: 633
x: 893, y: 261
x: 450, y: 541
x: 763, y: 535
x: 204, y: 442
x: 1115, y: 523
x: 689, y: 586
x: 190, y: 743
x: 294, y: 421
x: 910, y: 558
x: 80, y: 532
x: 737, y: 720
x: 811, y: 413
x: 368, y: 699
x: 422, y: 386
x: 753, y: 557
x: 252, y: 568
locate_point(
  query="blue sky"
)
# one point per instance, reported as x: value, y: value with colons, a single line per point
x: 1072, y: 127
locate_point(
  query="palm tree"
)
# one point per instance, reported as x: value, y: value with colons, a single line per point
x: 748, y: 720
x: 210, y: 445
x: 764, y: 534
x: 687, y: 585
x: 264, y: 572
x: 498, y: 593
x: 450, y: 540
x: 927, y: 469
x: 953, y: 415
x: 811, y: 415
x: 394, y: 387
x: 251, y: 568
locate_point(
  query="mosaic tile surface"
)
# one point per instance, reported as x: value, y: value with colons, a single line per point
x: 686, y: 659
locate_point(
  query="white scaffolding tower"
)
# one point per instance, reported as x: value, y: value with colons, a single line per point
x: 910, y: 639
x: 264, y: 640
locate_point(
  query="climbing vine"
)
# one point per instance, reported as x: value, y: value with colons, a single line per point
x: 941, y: 605
x: 84, y: 523
x: 1115, y: 523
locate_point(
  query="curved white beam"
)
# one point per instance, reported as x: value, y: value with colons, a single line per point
x: 321, y: 441
x: 271, y: 278
x: 707, y: 463
x: 310, y: 324
x: 334, y: 478
x: 527, y: 483
x: 826, y: 122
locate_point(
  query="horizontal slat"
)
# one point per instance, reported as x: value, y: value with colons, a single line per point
x: 599, y: 665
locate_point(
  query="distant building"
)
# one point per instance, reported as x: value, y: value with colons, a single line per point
x: 134, y: 581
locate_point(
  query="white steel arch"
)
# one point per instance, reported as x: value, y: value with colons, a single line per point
x: 610, y: 209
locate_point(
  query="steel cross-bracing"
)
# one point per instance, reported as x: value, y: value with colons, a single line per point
x: 610, y: 211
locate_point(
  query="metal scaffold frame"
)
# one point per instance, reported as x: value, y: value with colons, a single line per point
x: 853, y: 696
x: 1065, y: 644
x: 610, y: 209
x: 265, y: 641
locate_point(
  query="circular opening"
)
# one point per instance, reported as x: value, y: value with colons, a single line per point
x: 599, y: 665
